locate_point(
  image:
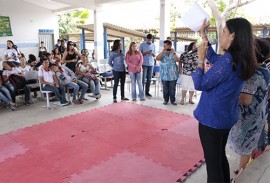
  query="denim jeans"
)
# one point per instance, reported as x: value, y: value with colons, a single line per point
x: 169, y: 90
x: 75, y: 88
x: 119, y: 76
x: 4, y: 98
x: 13, y: 92
x: 147, y: 74
x: 94, y: 85
x: 60, y: 96
x: 83, y: 86
x: 5, y: 94
x: 136, y: 77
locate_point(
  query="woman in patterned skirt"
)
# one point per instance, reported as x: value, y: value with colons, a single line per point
x: 245, y: 134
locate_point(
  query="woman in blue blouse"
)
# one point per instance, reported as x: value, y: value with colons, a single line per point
x: 117, y: 62
x: 218, y: 109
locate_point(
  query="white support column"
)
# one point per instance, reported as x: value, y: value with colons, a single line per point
x: 98, y: 31
x: 164, y: 30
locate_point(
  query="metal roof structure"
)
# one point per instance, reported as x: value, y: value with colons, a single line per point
x: 114, y: 30
x: 256, y: 27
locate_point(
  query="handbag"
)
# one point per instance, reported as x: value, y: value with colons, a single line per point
x: 17, y: 81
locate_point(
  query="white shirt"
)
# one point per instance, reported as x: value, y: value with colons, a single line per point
x: 47, y: 75
x: 12, y: 52
x: 83, y: 68
x: 27, y: 68
x: 15, y: 70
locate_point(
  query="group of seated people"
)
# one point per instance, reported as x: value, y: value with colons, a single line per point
x: 56, y: 73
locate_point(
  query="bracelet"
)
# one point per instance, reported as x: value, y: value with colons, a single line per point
x: 199, y: 62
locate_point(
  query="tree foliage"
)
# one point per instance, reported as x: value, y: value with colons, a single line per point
x: 174, y: 15
x: 68, y: 21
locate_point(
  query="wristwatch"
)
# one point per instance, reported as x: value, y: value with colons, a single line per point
x: 199, y: 62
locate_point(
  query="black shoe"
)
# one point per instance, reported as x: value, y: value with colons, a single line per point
x: 148, y: 95
x: 174, y: 103
x: 165, y: 103
x: 27, y: 103
x: 114, y: 100
x: 124, y: 98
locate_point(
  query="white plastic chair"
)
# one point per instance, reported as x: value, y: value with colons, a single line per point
x: 103, y: 66
x: 47, y: 95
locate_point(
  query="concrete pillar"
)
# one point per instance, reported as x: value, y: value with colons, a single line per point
x: 123, y: 45
x: 82, y: 40
x: 164, y: 30
x: 175, y: 41
x: 98, y: 30
x: 105, y: 42
x: 264, y: 32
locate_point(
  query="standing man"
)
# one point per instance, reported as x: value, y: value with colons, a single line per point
x: 58, y: 43
x: 147, y: 48
x: 62, y: 47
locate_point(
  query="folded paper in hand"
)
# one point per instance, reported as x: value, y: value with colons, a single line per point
x: 194, y: 17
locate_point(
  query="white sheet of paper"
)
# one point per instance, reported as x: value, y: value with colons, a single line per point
x: 194, y: 17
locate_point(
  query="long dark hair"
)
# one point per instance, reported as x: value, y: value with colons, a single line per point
x: 68, y: 47
x: 263, y: 49
x: 13, y: 45
x: 190, y: 46
x: 9, y: 63
x: 242, y: 47
x: 116, y: 44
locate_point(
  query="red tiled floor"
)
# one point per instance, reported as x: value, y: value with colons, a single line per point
x: 175, y: 151
x: 66, y: 148
x: 9, y: 148
x: 126, y: 168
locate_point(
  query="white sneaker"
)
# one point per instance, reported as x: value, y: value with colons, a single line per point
x: 65, y: 104
x: 98, y: 95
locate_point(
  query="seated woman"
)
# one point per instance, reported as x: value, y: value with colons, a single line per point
x: 85, y: 72
x: 23, y: 66
x: 14, y: 80
x: 67, y: 78
x: 50, y: 82
x: 5, y: 95
x: 32, y: 61
x: 12, y: 53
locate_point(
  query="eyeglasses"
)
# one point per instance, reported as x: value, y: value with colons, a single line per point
x: 71, y: 44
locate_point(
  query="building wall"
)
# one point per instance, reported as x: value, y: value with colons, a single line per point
x: 26, y: 20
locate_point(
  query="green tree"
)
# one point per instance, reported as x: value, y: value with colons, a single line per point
x: 174, y: 15
x: 68, y: 21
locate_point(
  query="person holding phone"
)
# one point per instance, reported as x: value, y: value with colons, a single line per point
x: 168, y: 71
x: 148, y: 50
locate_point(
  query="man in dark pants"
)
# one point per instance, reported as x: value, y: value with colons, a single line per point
x: 148, y: 51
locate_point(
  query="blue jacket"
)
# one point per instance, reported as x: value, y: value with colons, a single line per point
x: 117, y: 61
x: 221, y: 87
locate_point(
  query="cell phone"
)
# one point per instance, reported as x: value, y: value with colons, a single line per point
x: 169, y: 49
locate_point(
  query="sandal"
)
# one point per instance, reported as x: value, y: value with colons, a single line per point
x: 182, y: 102
x: 76, y: 101
x: 191, y: 102
x: 13, y: 107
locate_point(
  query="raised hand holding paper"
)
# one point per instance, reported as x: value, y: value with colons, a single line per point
x: 194, y: 17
